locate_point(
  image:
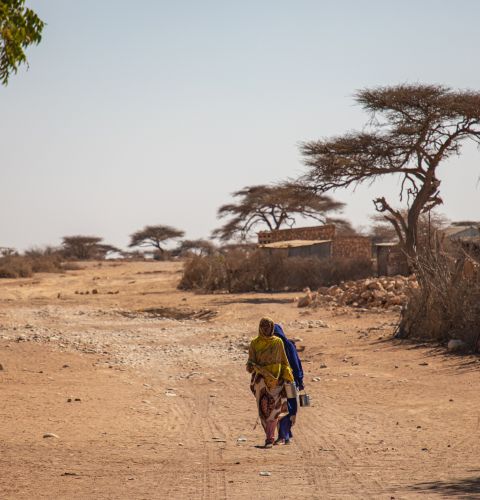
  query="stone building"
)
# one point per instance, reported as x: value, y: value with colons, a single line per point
x: 317, y: 241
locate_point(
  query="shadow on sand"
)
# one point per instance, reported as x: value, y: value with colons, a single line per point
x: 259, y: 300
x: 467, y: 488
x: 456, y: 360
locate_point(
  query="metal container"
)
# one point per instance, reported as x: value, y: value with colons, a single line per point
x: 291, y: 390
x: 304, y: 399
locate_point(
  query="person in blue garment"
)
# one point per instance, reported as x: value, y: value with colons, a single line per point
x: 286, y: 423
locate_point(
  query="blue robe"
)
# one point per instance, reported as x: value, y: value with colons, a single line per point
x: 285, y: 425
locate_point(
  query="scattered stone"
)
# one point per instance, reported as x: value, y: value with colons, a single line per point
x: 384, y: 292
x: 69, y: 474
x: 316, y: 379
x: 218, y: 440
x: 456, y: 345
x: 241, y: 439
x: 308, y: 299
x: 66, y: 366
x: 265, y: 473
x: 50, y: 435
x: 94, y: 291
x: 423, y: 364
x: 1, y: 367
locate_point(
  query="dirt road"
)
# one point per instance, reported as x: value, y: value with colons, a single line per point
x: 143, y: 407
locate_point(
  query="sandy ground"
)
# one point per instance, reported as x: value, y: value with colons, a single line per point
x: 144, y: 408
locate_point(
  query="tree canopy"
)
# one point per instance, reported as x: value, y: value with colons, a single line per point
x: 155, y: 237
x: 429, y: 223
x: 20, y: 27
x: 412, y: 130
x: 272, y: 207
x: 200, y: 247
x: 86, y: 247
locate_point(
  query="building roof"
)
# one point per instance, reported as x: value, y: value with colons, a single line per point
x: 294, y: 243
x: 453, y: 230
x: 388, y: 244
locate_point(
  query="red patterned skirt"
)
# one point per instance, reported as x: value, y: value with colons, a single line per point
x: 272, y: 403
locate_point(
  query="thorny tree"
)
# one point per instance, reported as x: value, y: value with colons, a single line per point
x: 428, y: 226
x: 154, y: 236
x: 85, y: 247
x: 413, y: 129
x: 272, y: 207
x: 200, y: 247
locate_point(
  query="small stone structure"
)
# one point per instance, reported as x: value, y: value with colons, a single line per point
x: 460, y: 232
x: 391, y: 260
x: 349, y: 247
x: 300, y: 248
x: 320, y: 241
x: 326, y: 232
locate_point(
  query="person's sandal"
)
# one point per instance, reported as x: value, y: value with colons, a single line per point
x: 268, y: 445
x: 278, y: 441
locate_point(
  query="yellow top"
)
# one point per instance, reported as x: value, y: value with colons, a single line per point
x: 267, y: 356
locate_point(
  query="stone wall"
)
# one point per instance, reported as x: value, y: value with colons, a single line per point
x: 391, y: 260
x: 326, y: 232
x: 350, y: 247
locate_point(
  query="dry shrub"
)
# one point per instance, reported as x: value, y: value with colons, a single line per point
x: 44, y: 260
x: 15, y: 266
x: 204, y: 273
x: 241, y: 270
x: 447, y: 303
x: 35, y: 260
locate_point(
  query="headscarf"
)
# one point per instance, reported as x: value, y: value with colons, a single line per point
x: 292, y: 356
x: 268, y: 354
x: 266, y: 326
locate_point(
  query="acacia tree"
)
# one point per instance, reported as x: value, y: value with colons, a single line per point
x: 200, y: 247
x: 86, y: 247
x: 429, y: 223
x: 20, y: 27
x: 155, y: 237
x: 272, y: 207
x: 413, y: 129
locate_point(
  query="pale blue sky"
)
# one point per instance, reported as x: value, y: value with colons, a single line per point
x: 152, y: 112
